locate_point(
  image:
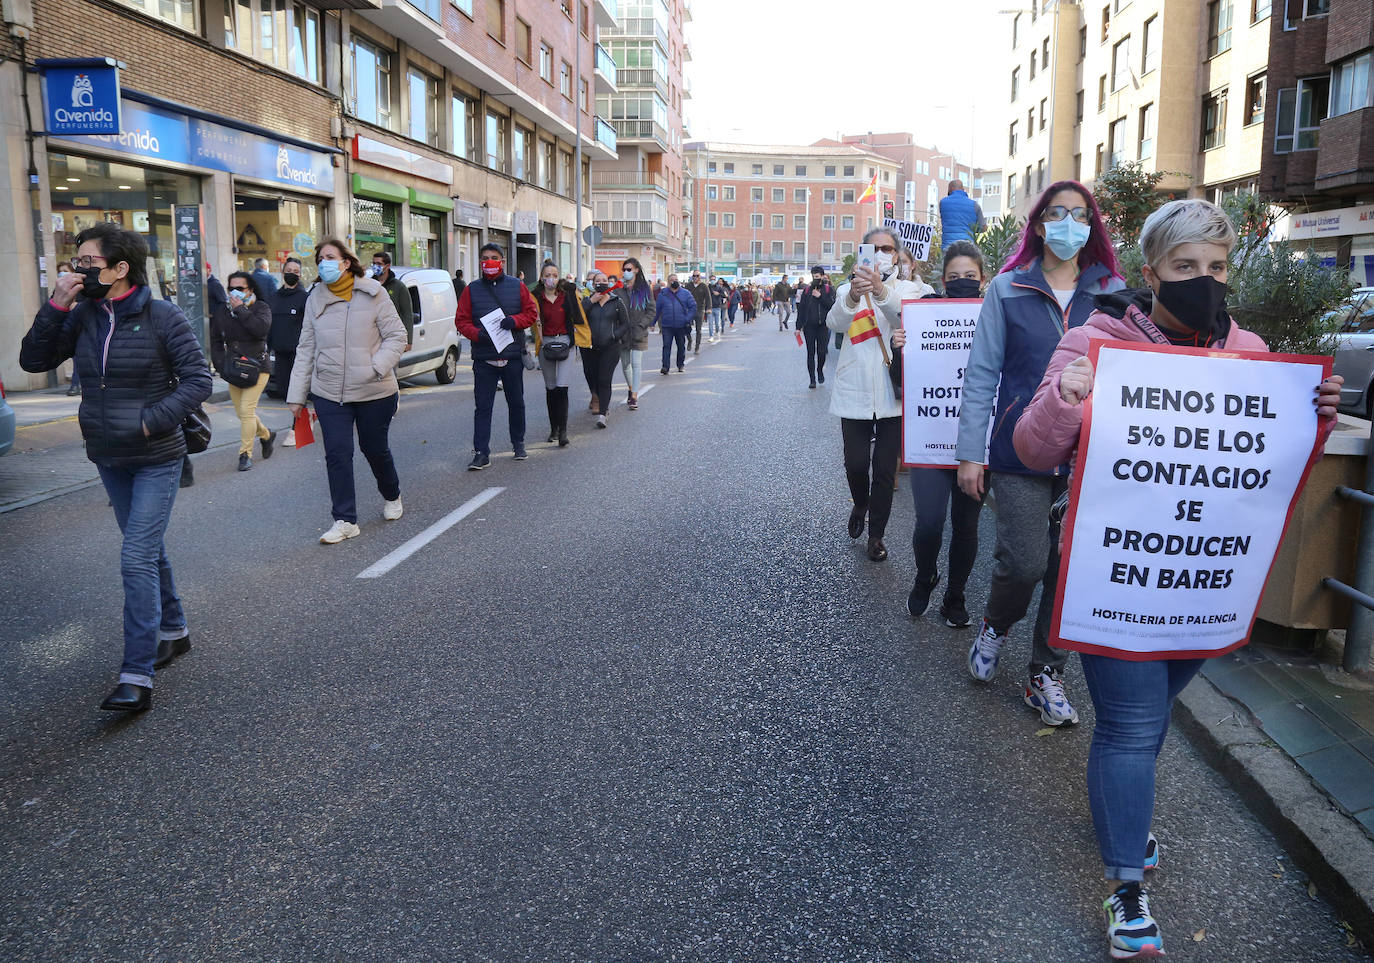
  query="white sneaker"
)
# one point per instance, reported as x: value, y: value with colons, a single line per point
x: 984, y: 653
x: 288, y: 438
x: 392, y: 510
x: 339, y: 532
x: 1045, y: 692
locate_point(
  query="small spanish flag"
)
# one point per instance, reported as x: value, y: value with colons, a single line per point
x: 870, y: 190
x: 863, y: 327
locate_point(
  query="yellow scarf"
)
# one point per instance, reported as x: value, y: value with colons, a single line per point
x: 343, y: 287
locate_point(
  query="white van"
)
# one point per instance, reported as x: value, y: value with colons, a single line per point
x: 436, y: 346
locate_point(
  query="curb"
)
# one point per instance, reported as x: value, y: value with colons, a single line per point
x: 1329, y: 846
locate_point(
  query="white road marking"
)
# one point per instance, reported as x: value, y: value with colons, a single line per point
x: 386, y: 564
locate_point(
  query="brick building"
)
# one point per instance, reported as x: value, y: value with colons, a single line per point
x: 1319, y: 128
x: 421, y: 129
x: 925, y: 172
x: 758, y: 209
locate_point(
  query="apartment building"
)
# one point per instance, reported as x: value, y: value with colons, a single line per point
x: 638, y: 198
x: 1318, y: 148
x: 1102, y: 82
x: 925, y: 172
x: 253, y: 128
x: 762, y: 209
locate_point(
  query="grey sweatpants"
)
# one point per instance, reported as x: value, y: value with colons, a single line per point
x: 1027, y: 552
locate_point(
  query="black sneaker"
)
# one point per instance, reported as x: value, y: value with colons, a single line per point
x: 955, y: 615
x: 520, y: 453
x: 267, y: 444
x: 662, y: 371
x: 479, y: 461
x: 680, y: 369
x: 919, y: 599
x: 245, y: 463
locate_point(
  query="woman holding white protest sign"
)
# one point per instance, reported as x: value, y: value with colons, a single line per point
x: 867, y: 309
x: 1185, y: 246
x: 936, y: 490
x: 1046, y: 288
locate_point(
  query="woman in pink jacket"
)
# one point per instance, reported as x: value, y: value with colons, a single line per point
x: 1186, y: 244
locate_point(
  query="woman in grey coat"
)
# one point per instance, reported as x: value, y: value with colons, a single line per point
x: 639, y: 299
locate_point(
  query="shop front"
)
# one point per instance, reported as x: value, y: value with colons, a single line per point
x: 1342, y: 236
x: 401, y: 204
x: 500, y: 224
x: 429, y: 214
x: 469, y: 219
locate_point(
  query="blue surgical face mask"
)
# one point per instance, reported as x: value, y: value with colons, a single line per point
x: 330, y: 271
x: 377, y: 270
x: 1066, y: 238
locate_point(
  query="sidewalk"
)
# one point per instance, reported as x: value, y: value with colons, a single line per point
x: 1295, y: 735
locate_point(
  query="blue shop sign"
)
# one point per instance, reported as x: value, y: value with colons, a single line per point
x: 81, y: 96
x: 165, y: 135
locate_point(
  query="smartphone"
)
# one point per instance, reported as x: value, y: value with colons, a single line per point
x: 866, y: 257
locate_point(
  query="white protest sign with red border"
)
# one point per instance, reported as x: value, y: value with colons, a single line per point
x: 1189, y: 464
x: 939, y: 335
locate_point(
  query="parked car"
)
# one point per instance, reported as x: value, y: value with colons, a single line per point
x: 1355, y: 353
x: 437, y: 345
x: 7, y: 422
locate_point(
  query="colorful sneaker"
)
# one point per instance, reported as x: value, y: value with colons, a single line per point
x: 1132, y: 933
x: 1045, y: 694
x: 984, y: 653
x: 1151, y: 854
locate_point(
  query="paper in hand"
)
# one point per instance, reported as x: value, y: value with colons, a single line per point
x: 500, y: 337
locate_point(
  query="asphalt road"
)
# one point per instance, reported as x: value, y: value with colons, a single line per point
x: 647, y: 703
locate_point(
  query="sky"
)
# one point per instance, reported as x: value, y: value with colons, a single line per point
x: 793, y: 72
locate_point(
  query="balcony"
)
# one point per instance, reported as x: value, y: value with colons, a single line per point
x: 605, y: 71
x: 634, y: 231
x: 607, y: 13
x: 686, y: 51
x: 648, y: 134
x: 1345, y: 152
x: 629, y: 180
x: 605, y: 135
x: 686, y: 11
x: 645, y: 28
x: 642, y: 78
x: 686, y: 87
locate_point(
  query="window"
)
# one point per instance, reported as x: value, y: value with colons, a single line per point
x: 179, y: 13
x: 1078, y: 107
x: 1097, y: 161
x: 828, y: 222
x: 828, y: 196
x: 798, y: 222
x: 1045, y: 54
x: 1149, y: 45
x: 1011, y: 140
x: 463, y: 5
x: 779, y: 170
x: 1011, y: 190
x: 496, y: 20
x: 523, y: 154
x: 1033, y: 61
x: 565, y: 164
x: 284, y: 33
x: 756, y: 194
x: 463, y: 124
x: 1015, y: 83
x: 728, y: 192
x: 423, y: 101
x: 1101, y: 93
x: 1116, y: 142
x: 801, y: 170
x: 829, y: 170
x: 1121, y: 63
x: 1254, y: 99
x: 846, y: 247
x: 1040, y: 175
x: 1317, y: 8
x: 712, y: 193
x: 799, y: 249
x: 756, y: 220
x: 827, y: 248
x: 496, y: 142
x: 729, y: 247
x: 1106, y: 23
x: 777, y: 222
x: 1350, y: 84
x: 522, y: 41
x: 711, y: 219
x: 1043, y: 101
x: 1030, y: 131
x: 583, y: 96
x: 565, y: 79
x: 711, y: 167
x: 729, y: 167
x: 1015, y: 30
x: 1259, y: 9
x: 1218, y: 27
x: 847, y: 197
x: 1146, y: 132
x: 776, y: 248
x: 1082, y: 44
x: 779, y: 195
x: 1301, y: 111
x: 727, y: 219
x: 757, y: 170
x: 1214, y: 120
x: 372, y: 84
x: 548, y: 173
x: 711, y: 246
x: 799, y: 195
x: 546, y: 63
x: 847, y: 222
x: 1078, y: 167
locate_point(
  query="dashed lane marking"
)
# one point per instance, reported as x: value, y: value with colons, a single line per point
x: 386, y: 564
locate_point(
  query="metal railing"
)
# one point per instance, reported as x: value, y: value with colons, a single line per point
x: 641, y: 77
x: 638, y: 230
x: 641, y: 130
x: 643, y: 179
x: 1360, y: 633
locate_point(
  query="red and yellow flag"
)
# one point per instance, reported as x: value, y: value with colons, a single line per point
x: 871, y: 190
x: 863, y: 327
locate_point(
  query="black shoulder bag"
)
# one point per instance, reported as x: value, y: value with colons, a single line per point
x: 195, y: 427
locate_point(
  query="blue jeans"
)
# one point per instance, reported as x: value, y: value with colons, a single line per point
x: 1133, y: 701
x: 671, y: 335
x: 511, y: 379
x: 142, y: 497
x: 716, y: 326
x: 373, y: 421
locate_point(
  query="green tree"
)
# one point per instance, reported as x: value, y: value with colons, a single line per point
x: 998, y: 242
x: 1127, y: 194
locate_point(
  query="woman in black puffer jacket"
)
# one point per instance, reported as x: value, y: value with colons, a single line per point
x: 238, y: 339
x: 142, y: 372
x: 608, y: 319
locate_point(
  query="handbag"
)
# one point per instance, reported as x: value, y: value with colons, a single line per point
x: 556, y: 348
x: 240, y: 370
x: 195, y: 427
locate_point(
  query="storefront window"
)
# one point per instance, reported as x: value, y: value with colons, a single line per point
x: 374, y: 227
x: 86, y: 191
x: 425, y: 246
x: 276, y: 227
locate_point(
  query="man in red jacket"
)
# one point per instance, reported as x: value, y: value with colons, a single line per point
x: 495, y: 290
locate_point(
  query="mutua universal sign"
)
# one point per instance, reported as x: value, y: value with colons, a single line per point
x: 81, y: 96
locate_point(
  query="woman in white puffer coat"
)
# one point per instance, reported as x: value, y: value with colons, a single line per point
x: 861, y: 392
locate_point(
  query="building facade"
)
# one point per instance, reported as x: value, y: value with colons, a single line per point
x: 423, y: 130
x: 638, y: 197
x: 925, y: 172
x: 1318, y: 148
x: 757, y: 209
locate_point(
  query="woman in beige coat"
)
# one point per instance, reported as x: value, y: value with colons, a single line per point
x: 351, y: 341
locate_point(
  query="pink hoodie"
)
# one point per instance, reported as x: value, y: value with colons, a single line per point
x: 1047, y: 432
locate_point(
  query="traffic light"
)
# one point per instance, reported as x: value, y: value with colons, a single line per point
x: 887, y: 209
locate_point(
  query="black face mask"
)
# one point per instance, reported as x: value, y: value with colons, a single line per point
x: 962, y: 287
x: 91, y: 286
x: 290, y: 280
x: 1199, y: 303
x: 602, y: 288
x: 673, y: 285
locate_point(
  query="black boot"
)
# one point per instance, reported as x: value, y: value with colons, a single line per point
x: 563, y: 418
x: 551, y: 400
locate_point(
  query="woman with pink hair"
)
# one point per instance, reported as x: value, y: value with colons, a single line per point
x: 1047, y: 287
